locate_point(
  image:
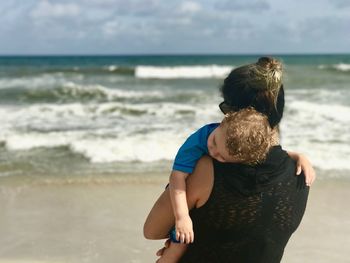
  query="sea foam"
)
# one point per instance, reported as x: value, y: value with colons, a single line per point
x: 339, y: 67
x: 321, y: 131
x: 342, y: 67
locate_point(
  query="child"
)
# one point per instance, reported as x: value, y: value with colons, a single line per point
x: 244, y: 136
x: 228, y: 141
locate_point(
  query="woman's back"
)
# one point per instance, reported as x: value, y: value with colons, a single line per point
x: 251, y: 212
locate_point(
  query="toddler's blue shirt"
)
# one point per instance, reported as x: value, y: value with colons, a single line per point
x: 193, y: 149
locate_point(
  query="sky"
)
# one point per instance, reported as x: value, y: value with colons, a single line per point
x: 174, y: 26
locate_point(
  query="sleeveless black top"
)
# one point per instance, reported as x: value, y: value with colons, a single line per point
x: 251, y: 212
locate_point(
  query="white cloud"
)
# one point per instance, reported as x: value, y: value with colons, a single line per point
x: 341, y: 3
x: 110, y: 28
x: 239, y: 5
x: 45, y: 9
x: 190, y: 7
x: 180, y: 26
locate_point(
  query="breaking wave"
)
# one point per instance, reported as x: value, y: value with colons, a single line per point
x: 341, y: 67
x: 184, y: 72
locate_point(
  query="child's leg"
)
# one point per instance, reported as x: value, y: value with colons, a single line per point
x: 160, y: 219
x: 172, y: 253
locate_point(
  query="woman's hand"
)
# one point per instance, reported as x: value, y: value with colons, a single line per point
x: 171, y: 252
x: 184, y: 229
x: 303, y: 164
x: 160, y: 252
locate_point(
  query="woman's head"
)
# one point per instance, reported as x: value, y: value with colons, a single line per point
x: 257, y: 85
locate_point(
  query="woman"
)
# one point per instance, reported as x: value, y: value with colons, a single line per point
x: 242, y: 213
x: 257, y: 85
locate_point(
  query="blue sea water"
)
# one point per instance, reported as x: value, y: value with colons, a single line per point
x: 129, y: 114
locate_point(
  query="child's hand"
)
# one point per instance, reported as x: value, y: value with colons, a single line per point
x: 303, y: 164
x: 184, y: 230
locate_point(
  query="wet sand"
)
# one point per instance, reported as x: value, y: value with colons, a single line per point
x: 86, y: 221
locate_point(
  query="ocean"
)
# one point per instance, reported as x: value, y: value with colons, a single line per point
x: 66, y: 116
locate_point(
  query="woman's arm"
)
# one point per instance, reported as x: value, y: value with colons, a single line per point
x: 160, y: 219
x: 198, y: 188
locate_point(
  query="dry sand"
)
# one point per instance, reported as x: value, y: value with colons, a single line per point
x: 102, y: 222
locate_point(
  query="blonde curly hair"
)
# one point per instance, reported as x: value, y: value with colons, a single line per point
x: 249, y: 136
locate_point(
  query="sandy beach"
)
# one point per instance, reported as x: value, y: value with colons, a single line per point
x: 101, y: 221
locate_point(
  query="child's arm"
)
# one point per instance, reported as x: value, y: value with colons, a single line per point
x: 183, y: 222
x: 303, y: 164
x: 185, y: 161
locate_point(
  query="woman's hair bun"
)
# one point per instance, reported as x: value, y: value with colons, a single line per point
x: 273, y: 69
x: 269, y: 63
x: 263, y: 61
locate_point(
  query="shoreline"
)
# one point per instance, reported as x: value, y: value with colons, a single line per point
x: 101, y: 221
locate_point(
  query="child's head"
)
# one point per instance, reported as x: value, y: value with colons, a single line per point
x: 257, y: 85
x: 244, y: 136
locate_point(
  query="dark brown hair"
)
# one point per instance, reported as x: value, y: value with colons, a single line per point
x: 257, y: 85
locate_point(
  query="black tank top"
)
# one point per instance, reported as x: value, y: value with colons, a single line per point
x: 251, y: 212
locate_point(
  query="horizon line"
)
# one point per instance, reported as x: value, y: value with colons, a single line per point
x: 176, y: 54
